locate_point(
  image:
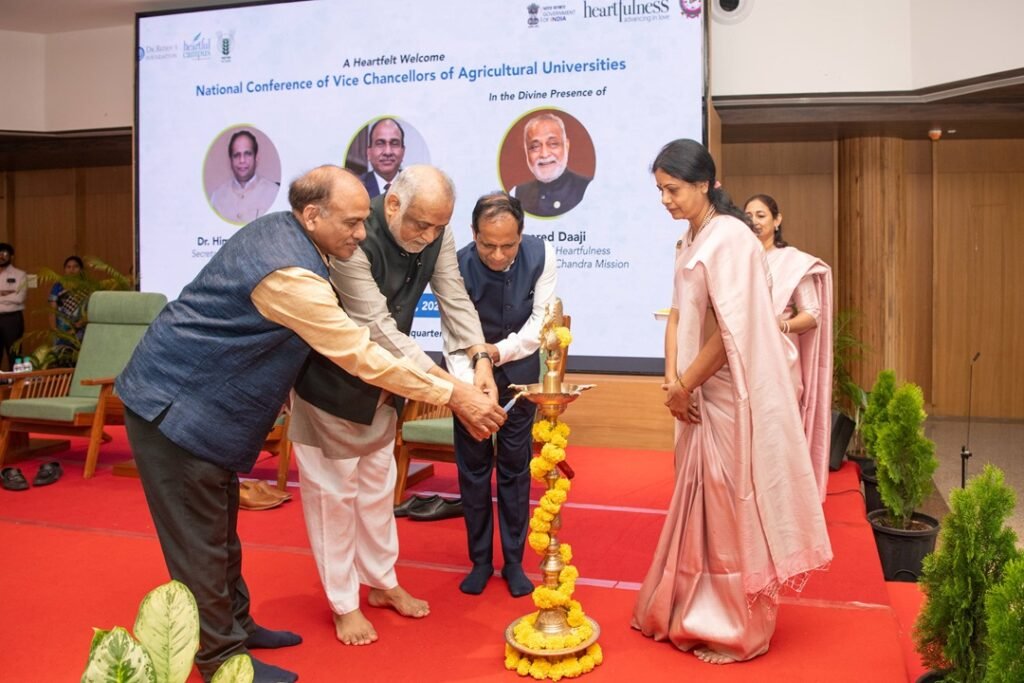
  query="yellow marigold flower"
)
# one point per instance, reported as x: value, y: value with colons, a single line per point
x: 512, y: 661
x: 546, y: 504
x: 542, y: 514
x: 572, y: 667
x: 562, y: 428
x: 563, y: 484
x: 576, y: 618
x: 564, y: 336
x: 541, y: 430
x: 557, y: 495
x: 530, y: 618
x: 554, y: 643
x: 539, y: 541
x: 575, y: 604
x: 558, y: 440
x: 552, y: 454
x: 569, y: 573
x: 566, y: 551
x: 523, y: 668
x: 539, y: 669
x: 535, y: 641
x: 595, y: 652
x: 538, y: 525
x: 540, y: 467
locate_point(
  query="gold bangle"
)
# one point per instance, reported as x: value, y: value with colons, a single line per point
x: 687, y: 389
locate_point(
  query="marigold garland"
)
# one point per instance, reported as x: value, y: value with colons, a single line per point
x: 554, y: 435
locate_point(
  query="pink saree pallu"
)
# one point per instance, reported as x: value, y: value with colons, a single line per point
x: 744, y: 519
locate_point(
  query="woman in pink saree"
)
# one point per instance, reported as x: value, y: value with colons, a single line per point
x: 744, y: 519
x: 802, y: 302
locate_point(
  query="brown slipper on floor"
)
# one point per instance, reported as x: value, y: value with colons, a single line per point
x: 252, y: 498
x: 272, y: 491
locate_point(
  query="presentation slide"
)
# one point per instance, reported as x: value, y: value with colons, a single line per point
x: 233, y: 104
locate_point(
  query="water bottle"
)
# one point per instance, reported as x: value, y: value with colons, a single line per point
x: 26, y: 364
x: 16, y: 366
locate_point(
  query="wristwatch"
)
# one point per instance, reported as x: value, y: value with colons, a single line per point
x: 480, y: 355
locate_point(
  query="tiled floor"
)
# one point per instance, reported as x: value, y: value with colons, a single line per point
x: 997, y: 442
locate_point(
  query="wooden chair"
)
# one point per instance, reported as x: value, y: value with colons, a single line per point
x: 425, y: 432
x: 79, y: 401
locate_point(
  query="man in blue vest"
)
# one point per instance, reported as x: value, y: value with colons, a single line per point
x: 511, y: 278
x: 208, y: 378
x: 343, y: 430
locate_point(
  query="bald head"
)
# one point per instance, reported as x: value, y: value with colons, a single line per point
x: 331, y: 204
x: 419, y: 206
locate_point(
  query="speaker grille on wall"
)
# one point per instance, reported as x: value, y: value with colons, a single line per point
x: 730, y: 11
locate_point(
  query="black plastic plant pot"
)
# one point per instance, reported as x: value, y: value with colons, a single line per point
x: 902, y: 551
x: 872, y: 498
x: 867, y: 465
x: 842, y: 432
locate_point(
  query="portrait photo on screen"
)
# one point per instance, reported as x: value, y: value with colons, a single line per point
x: 547, y: 160
x: 241, y: 174
x: 382, y: 148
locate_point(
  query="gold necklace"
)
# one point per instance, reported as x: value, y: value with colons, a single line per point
x: 707, y: 219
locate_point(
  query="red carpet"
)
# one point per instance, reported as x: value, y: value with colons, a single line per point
x: 82, y: 553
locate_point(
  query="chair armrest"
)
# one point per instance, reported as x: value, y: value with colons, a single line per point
x: 99, y: 381
x: 53, y: 383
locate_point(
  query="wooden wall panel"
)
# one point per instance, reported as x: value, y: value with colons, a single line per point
x: 42, y: 230
x: 872, y: 222
x: 800, y: 177
x: 621, y: 412
x: 978, y: 278
x: 106, y: 229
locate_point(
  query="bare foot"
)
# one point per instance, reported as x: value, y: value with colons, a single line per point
x: 399, y: 600
x: 354, y: 629
x: 706, y: 654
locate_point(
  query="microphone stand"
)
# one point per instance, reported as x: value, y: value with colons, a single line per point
x: 965, y: 451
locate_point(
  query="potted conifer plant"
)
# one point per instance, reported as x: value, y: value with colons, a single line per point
x: 975, y: 549
x: 905, y: 463
x: 874, y: 418
x: 1004, y: 608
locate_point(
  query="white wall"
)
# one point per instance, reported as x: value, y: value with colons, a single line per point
x: 22, y: 83
x: 84, y: 79
x: 812, y: 46
x: 90, y: 79
x: 955, y: 40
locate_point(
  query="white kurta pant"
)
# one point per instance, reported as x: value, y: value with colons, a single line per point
x: 349, y: 509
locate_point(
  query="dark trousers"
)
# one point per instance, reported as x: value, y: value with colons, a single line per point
x: 476, y: 462
x: 12, y: 328
x: 194, y: 505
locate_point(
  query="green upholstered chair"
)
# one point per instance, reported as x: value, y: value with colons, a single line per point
x: 80, y: 401
x: 425, y: 432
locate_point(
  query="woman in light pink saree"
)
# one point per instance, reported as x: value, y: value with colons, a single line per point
x: 802, y: 302
x: 744, y: 519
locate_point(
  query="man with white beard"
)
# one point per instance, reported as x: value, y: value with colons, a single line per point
x: 555, y: 189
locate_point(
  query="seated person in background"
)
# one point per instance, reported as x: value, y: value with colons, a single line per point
x: 247, y: 195
x: 511, y: 278
x: 67, y: 304
x: 555, y: 189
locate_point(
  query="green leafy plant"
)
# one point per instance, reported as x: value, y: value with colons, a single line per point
x: 1004, y: 607
x: 167, y: 628
x: 96, y: 276
x: 905, y: 456
x: 847, y: 349
x: 876, y: 412
x: 974, y: 547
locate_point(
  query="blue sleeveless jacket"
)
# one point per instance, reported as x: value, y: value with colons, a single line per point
x: 504, y: 301
x: 215, y: 368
